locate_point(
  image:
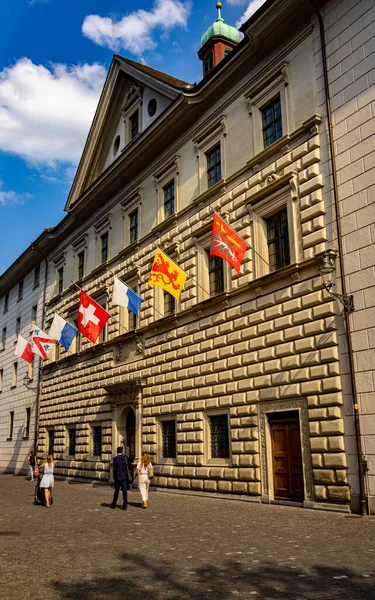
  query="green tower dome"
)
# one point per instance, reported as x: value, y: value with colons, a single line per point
x: 220, y: 29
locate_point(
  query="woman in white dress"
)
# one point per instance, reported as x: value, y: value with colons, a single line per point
x: 144, y: 471
x: 47, y: 479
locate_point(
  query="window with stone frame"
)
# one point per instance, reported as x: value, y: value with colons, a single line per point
x: 208, y: 62
x: 26, y: 429
x: 219, y: 436
x: 169, y: 207
x: 213, y: 157
x: 6, y: 302
x: 132, y: 113
x: 168, y: 438
x: 81, y: 264
x: 134, y: 125
x: 3, y: 338
x: 60, y: 280
x: 17, y: 328
x: 1, y: 379
x: 34, y: 311
x: 169, y: 304
x: 133, y: 226
x: 103, y: 238
x: 278, y: 240
x: 128, y: 319
x: 20, y: 290
x: 96, y: 440
x: 50, y: 442
x: 30, y: 369
x: 36, y: 276
x: 72, y: 436
x: 14, y: 374
x: 272, y: 127
x: 215, y: 274
x: 104, y: 247
x: 10, y: 425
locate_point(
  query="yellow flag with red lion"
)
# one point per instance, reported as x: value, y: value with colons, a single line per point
x: 167, y: 275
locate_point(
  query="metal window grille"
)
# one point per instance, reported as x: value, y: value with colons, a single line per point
x: 6, y: 303
x: 81, y: 264
x: 51, y: 441
x: 169, y: 304
x: 60, y: 282
x: 134, y: 124
x: 169, y: 439
x: 208, y: 62
x: 97, y: 440
x: 36, y: 276
x: 216, y: 275
x: 104, y: 247
x: 27, y: 422
x: 219, y: 436
x: 20, y: 290
x: 213, y: 165
x: 271, y: 121
x: 278, y: 240
x: 133, y: 225
x: 72, y: 442
x: 169, y: 199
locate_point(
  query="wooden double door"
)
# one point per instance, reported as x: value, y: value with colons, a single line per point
x: 286, y: 455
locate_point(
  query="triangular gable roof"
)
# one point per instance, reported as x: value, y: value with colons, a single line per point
x: 170, y: 86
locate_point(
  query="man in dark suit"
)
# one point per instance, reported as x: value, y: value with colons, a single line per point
x: 121, y: 477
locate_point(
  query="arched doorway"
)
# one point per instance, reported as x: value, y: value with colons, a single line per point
x: 130, y: 436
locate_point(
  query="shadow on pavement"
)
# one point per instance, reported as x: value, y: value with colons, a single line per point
x: 140, y: 580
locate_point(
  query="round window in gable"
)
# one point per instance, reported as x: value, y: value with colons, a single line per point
x: 116, y: 145
x: 152, y: 106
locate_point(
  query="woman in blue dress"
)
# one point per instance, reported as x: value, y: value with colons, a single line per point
x: 47, y: 479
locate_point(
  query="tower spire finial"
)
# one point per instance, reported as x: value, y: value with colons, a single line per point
x: 219, y: 6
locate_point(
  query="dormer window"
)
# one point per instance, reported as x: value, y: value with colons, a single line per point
x: 208, y: 62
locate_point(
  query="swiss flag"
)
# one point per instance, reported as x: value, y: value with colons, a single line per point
x: 91, y: 317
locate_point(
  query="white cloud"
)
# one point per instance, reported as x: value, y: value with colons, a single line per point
x: 251, y: 9
x: 45, y: 114
x: 11, y: 197
x: 134, y: 31
x: 237, y: 2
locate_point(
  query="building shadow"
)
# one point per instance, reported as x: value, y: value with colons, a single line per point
x: 142, y: 578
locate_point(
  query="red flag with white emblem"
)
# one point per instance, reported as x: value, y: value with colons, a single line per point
x: 91, y: 317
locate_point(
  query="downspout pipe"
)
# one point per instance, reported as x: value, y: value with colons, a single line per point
x: 360, y: 455
x: 39, y: 385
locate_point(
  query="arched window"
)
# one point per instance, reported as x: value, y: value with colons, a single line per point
x: 208, y: 62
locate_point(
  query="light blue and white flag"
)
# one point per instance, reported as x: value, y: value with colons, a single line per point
x: 62, y: 331
x: 123, y: 296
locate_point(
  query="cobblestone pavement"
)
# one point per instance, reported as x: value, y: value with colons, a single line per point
x: 182, y: 546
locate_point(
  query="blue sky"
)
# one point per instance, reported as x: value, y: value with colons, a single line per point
x: 54, y: 55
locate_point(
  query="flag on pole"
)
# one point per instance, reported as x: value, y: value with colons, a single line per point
x: 62, y: 331
x: 41, y: 343
x: 122, y: 295
x: 91, y: 317
x: 226, y: 243
x: 167, y: 275
x: 24, y: 349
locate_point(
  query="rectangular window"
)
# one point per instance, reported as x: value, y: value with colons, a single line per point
x: 133, y: 226
x: 132, y: 320
x: 18, y: 327
x: 81, y: 264
x: 271, y: 122
x: 215, y: 275
x: 72, y: 442
x: 36, y: 276
x: 51, y: 441
x: 219, y: 436
x: 11, y: 425
x: 168, y: 432
x: 20, y: 290
x: 213, y: 165
x: 1, y: 379
x: 14, y: 374
x: 3, y: 338
x: 278, y: 240
x: 102, y: 300
x: 30, y: 369
x: 60, y: 280
x: 6, y: 302
x: 168, y: 199
x: 97, y: 440
x: 26, y: 431
x: 34, y: 311
x: 104, y: 247
x: 134, y: 124
x: 169, y: 304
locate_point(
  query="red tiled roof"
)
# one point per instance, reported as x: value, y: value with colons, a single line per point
x: 168, y: 79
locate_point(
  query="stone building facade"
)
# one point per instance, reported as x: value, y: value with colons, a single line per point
x: 241, y: 386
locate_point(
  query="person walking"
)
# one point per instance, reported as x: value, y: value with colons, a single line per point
x: 31, y: 461
x: 144, y: 472
x: 47, y: 480
x: 121, y: 478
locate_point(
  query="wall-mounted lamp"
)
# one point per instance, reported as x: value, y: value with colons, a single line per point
x: 27, y: 383
x: 327, y: 268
